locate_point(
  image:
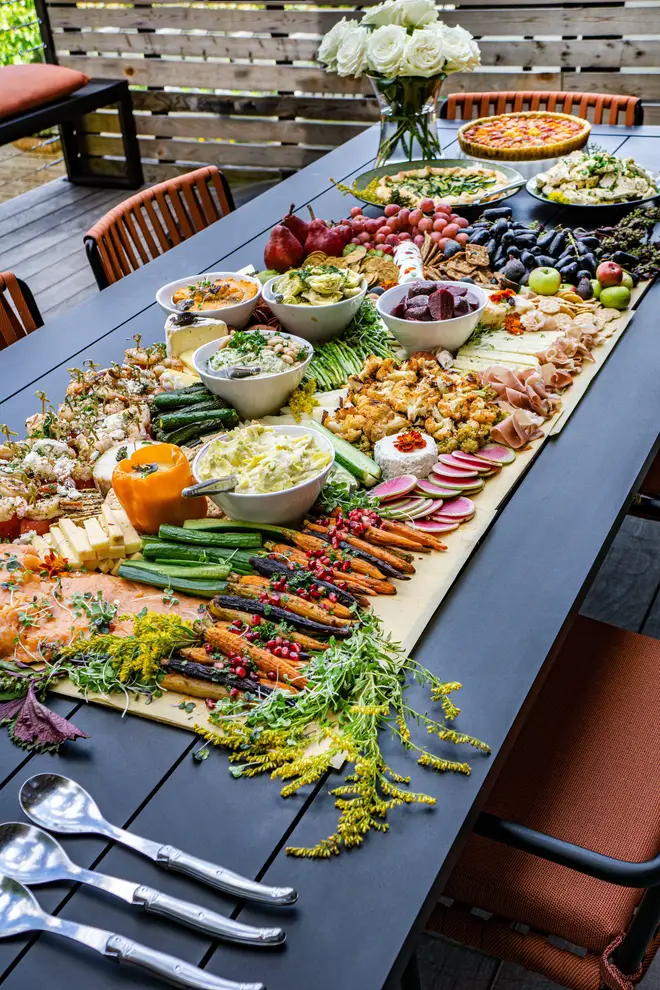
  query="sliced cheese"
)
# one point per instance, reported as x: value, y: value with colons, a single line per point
x: 111, y: 527
x: 63, y: 547
x: 97, y: 536
x: 182, y: 340
x: 77, y: 538
x: 178, y: 379
x: 106, y: 565
x: 188, y: 363
x: 39, y: 544
x: 132, y: 541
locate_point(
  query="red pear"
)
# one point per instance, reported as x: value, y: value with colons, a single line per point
x: 323, y: 238
x: 296, y: 225
x: 283, y: 250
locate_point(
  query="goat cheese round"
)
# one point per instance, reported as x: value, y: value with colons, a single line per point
x: 394, y: 461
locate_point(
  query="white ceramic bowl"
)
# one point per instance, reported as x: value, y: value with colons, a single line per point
x: 252, y: 398
x: 236, y: 315
x: 417, y: 335
x: 276, y: 508
x: 314, y: 323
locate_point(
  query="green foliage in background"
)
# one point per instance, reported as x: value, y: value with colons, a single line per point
x: 19, y: 33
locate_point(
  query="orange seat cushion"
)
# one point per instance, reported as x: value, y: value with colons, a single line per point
x: 23, y: 87
x: 584, y: 768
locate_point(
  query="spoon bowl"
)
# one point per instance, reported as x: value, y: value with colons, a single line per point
x: 31, y: 856
x: 60, y: 804
x: 19, y: 910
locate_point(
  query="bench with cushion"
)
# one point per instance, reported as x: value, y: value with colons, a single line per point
x: 36, y: 97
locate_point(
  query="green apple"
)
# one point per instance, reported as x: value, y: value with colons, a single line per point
x: 567, y: 286
x: 627, y: 281
x: 615, y: 297
x: 544, y: 281
x: 596, y: 286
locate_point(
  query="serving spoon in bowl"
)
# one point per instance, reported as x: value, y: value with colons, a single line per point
x: 20, y: 912
x: 59, y: 804
x: 214, y: 486
x: 32, y: 856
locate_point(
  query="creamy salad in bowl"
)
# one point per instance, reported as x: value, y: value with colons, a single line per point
x: 595, y: 178
x: 263, y: 352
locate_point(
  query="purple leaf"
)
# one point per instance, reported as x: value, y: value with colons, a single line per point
x: 10, y: 708
x: 37, y: 726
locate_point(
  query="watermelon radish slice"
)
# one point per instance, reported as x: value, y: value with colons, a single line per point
x: 495, y: 453
x: 455, y: 486
x: 426, y: 487
x: 432, y: 526
x: 454, y: 472
x: 394, y: 487
x: 406, y: 509
x: 473, y: 488
x: 465, y: 461
x: 399, y: 503
x: 449, y: 461
x: 458, y: 508
x: 427, y: 510
x: 439, y: 517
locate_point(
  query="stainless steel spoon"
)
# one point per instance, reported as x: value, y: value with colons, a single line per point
x: 214, y: 486
x: 486, y: 198
x: 20, y: 912
x: 32, y: 856
x: 61, y: 805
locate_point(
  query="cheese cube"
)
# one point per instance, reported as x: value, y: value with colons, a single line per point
x: 62, y: 547
x: 111, y: 527
x: 97, y: 536
x: 77, y: 538
x: 132, y: 541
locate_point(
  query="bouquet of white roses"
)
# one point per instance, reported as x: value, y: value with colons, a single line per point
x: 407, y: 53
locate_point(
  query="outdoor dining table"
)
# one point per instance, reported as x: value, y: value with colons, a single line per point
x: 357, y: 918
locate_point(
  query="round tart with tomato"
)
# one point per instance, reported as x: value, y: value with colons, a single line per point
x: 525, y: 136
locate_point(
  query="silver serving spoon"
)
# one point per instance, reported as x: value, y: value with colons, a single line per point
x: 61, y: 805
x: 32, y: 856
x: 486, y: 198
x: 233, y: 372
x: 20, y: 912
x: 214, y: 486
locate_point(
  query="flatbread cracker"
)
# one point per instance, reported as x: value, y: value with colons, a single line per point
x: 317, y: 258
x: 549, y: 305
x: 477, y: 255
x: 605, y: 315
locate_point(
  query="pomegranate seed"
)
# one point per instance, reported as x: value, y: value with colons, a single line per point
x: 271, y: 643
x: 278, y: 640
x: 208, y: 648
x: 332, y: 596
x: 254, y: 676
x: 285, y: 652
x: 241, y: 672
x: 295, y: 647
x: 210, y: 703
x: 219, y: 665
x: 255, y: 620
x: 236, y: 632
x: 271, y: 675
x: 233, y: 692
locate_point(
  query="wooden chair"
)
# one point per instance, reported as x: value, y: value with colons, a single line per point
x: 155, y: 220
x: 563, y: 867
x: 626, y: 110
x: 19, y: 313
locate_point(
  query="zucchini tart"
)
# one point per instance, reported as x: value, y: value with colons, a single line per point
x: 525, y: 136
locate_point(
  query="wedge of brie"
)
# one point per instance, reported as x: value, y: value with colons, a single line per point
x: 185, y: 332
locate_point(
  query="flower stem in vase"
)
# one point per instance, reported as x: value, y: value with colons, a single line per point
x: 408, y: 129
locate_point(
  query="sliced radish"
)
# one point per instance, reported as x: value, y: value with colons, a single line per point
x: 454, y: 472
x: 473, y: 487
x: 458, y: 508
x: 399, y: 503
x: 428, y: 510
x: 470, y: 461
x: 426, y: 487
x: 439, y: 517
x: 394, y: 487
x: 449, y: 461
x: 431, y: 526
x: 453, y: 484
x: 495, y: 453
x: 407, y: 510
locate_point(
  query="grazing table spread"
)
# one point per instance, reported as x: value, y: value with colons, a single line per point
x: 358, y: 914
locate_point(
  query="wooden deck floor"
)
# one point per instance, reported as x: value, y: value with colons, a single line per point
x: 41, y: 241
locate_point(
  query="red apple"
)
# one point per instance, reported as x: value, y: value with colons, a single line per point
x: 609, y: 273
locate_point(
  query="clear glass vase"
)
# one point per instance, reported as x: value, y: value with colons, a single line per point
x: 408, y: 121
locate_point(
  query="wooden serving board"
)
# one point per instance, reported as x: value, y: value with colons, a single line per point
x: 406, y: 615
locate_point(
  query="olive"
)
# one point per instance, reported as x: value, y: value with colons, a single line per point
x: 377, y: 290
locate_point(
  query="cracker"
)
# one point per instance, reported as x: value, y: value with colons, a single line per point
x: 477, y: 255
x: 317, y: 258
x: 605, y: 315
x: 549, y: 305
x: 357, y: 255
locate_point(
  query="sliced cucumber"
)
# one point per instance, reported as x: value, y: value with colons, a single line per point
x: 361, y: 467
x: 217, y: 525
x: 145, y: 575
x: 234, y: 540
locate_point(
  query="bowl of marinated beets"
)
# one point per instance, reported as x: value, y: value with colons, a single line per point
x: 425, y: 316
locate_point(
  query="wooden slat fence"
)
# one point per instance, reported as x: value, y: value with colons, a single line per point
x: 236, y: 84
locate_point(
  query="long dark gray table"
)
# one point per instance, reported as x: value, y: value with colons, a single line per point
x: 358, y: 916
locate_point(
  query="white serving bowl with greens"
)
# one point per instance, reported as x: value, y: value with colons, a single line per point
x: 315, y: 320
x: 308, y: 455
x: 259, y: 395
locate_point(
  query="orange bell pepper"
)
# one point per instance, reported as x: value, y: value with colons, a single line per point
x: 149, y: 483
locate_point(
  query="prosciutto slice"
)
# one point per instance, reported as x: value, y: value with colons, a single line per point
x: 521, y: 390
x: 554, y: 377
x: 517, y: 430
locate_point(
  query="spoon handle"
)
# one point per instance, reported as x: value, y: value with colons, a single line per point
x: 218, y: 876
x: 205, y: 920
x: 169, y: 968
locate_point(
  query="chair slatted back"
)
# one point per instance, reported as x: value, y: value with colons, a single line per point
x: 598, y: 107
x: 155, y: 220
x: 19, y: 315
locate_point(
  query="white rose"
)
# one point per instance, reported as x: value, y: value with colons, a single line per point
x: 405, y: 13
x: 329, y: 47
x: 385, y: 49
x: 352, y: 54
x: 424, y: 54
x: 461, y: 50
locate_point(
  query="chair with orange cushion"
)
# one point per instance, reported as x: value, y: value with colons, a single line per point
x: 597, y: 107
x: 563, y: 867
x: 19, y: 314
x: 155, y: 220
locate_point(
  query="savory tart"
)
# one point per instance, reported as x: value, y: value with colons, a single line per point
x: 455, y: 185
x: 526, y: 136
